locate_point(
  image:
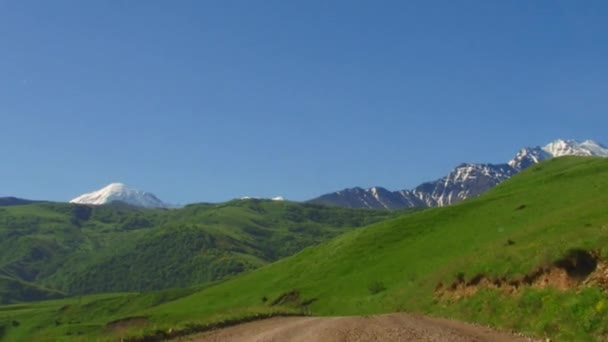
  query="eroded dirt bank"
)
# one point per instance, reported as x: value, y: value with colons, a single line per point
x: 578, y: 268
x: 391, y: 327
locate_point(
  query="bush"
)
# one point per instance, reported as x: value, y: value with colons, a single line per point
x: 376, y: 287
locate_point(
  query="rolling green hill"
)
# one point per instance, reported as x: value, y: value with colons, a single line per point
x: 79, y: 249
x: 529, y: 255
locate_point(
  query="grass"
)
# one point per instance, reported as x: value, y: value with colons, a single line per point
x: 525, y: 223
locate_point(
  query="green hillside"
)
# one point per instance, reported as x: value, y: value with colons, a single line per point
x: 528, y: 222
x: 14, y: 291
x: 79, y: 249
x: 515, y: 235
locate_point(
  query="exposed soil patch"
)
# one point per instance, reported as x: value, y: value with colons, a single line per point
x: 599, y: 277
x: 293, y: 299
x: 576, y: 268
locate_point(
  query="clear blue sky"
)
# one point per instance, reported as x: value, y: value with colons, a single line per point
x: 212, y: 100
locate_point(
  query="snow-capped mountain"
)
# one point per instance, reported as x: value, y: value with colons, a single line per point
x: 465, y: 181
x: 277, y: 198
x: 560, y: 148
x: 376, y: 197
x: 528, y: 157
x: 120, y: 192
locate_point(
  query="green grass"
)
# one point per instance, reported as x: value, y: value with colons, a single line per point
x: 396, y: 264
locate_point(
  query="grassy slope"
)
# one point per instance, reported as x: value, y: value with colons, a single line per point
x: 565, y: 207
x: 77, y: 249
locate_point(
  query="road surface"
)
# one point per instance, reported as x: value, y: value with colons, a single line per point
x: 392, y: 327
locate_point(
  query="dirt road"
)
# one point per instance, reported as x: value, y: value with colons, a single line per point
x: 392, y: 327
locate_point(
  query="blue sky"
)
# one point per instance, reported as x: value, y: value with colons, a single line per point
x: 212, y: 100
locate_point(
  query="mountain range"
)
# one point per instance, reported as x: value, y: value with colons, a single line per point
x: 465, y: 181
x: 529, y: 251
x: 119, y: 192
x: 529, y: 256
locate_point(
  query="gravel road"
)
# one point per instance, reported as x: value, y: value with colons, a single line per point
x: 392, y: 327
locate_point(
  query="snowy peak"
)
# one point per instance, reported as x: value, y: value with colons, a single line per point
x: 596, y: 149
x: 561, y: 147
x: 276, y: 199
x: 120, y: 192
x: 558, y: 148
x: 528, y: 157
x: 466, y: 180
x: 375, y: 197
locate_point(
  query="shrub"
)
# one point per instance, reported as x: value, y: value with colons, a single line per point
x: 376, y: 287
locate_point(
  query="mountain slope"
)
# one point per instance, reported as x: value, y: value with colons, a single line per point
x: 117, y: 247
x: 397, y: 264
x: 465, y: 181
x: 120, y: 192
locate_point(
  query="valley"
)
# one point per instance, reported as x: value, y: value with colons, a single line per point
x: 437, y: 262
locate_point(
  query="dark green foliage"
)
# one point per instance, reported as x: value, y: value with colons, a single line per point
x: 82, y: 249
x: 376, y: 287
x: 81, y: 213
x: 13, y: 290
x: 180, y: 257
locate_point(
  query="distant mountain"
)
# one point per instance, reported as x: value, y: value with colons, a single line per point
x: 277, y: 198
x: 120, y: 192
x: 465, y: 181
x: 9, y: 201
